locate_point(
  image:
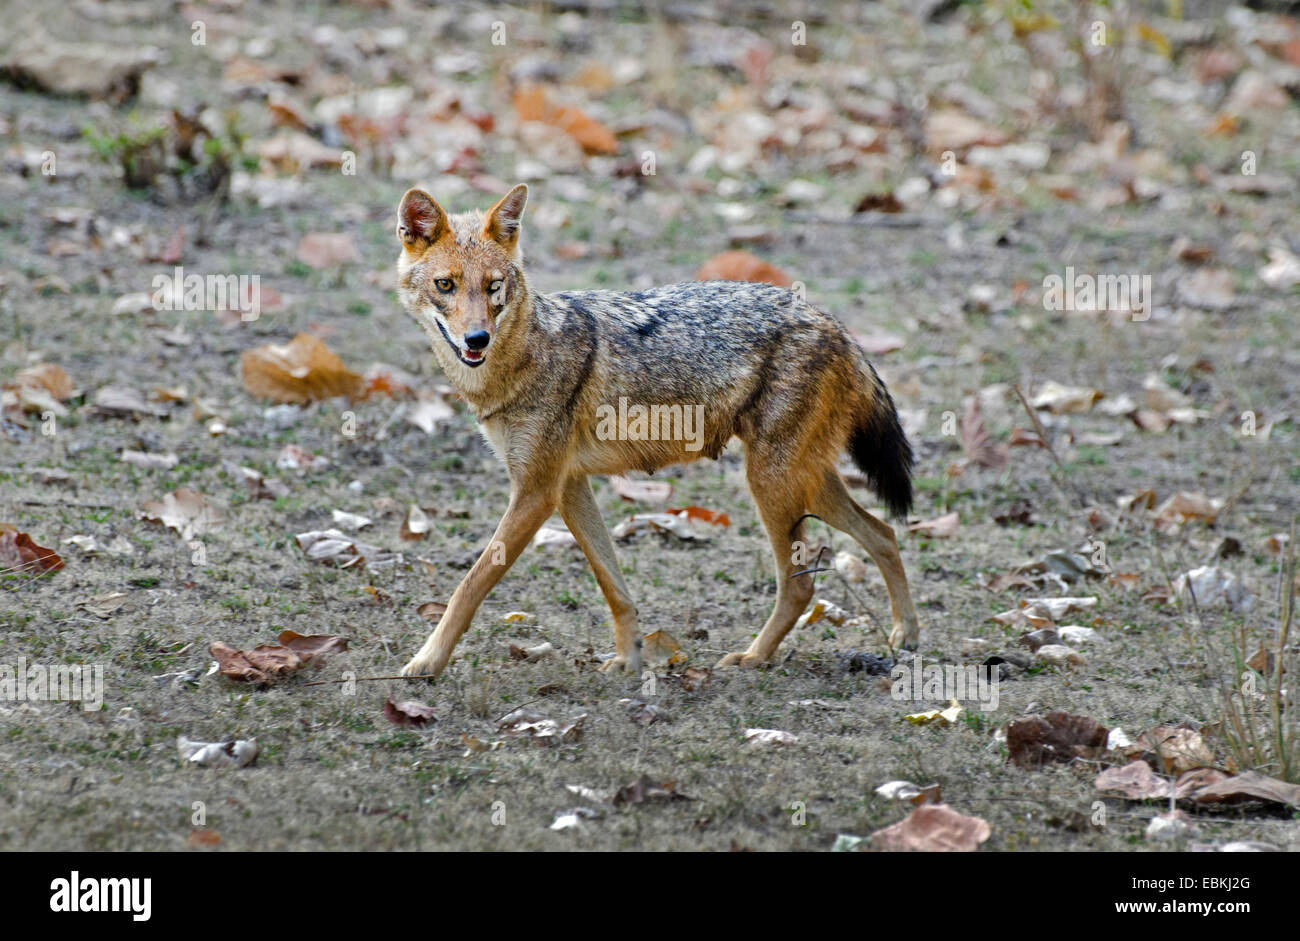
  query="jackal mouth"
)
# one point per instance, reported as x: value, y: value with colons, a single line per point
x: 470, y: 358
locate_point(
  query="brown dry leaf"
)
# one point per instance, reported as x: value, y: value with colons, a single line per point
x: 644, y: 789
x: 408, y: 714
x: 693, y: 679
x: 950, y: 129
x: 431, y: 611
x: 1033, y: 741
x: 260, y: 665
x: 933, y: 828
x: 661, y: 649
x: 879, y: 202
x: 737, y: 265
x: 304, y: 370
x: 975, y: 439
x: 942, y: 526
x: 1135, y: 781
x: 20, y: 555
x: 267, y: 662
x: 50, y: 377
x: 186, y: 511
x: 416, y: 524
x: 124, y: 400
x: 594, y: 138
x: 912, y: 793
x: 327, y: 249
x: 1176, y: 748
x: 200, y: 837
x: 1248, y: 786
x: 1186, y: 507
x: 1021, y: 438
x: 308, y: 646
x: 103, y: 606
x: 1064, y: 400
x: 543, y: 731
x: 645, y: 491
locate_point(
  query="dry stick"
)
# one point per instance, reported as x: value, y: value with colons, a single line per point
x: 1284, y: 628
x: 367, y: 679
x: 1042, y: 435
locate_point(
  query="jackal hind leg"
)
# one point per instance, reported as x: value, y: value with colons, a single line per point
x: 780, y: 501
x: 837, y: 508
x: 582, y: 516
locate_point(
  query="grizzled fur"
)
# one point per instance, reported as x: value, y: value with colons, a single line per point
x: 541, y: 371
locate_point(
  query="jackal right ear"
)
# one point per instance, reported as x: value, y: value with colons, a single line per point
x: 420, y: 220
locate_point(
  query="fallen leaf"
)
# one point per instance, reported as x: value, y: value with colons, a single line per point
x: 21, y: 555
x: 645, y: 491
x: 304, y: 370
x: 408, y: 714
x: 200, y: 837
x: 187, y: 511
x: 644, y: 789
x: 975, y: 441
x: 1134, y: 781
x: 768, y: 737
x: 738, y: 265
x: 1033, y: 741
x: 1175, y: 748
x: 50, y: 377
x: 1064, y: 400
x: 531, y: 104
x: 527, y: 723
x: 233, y: 754
x: 416, y: 524
x: 907, y: 791
x: 327, y: 249
x: 103, y: 606
x: 661, y: 649
x: 933, y: 828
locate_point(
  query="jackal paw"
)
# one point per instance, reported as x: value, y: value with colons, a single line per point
x: 621, y: 663
x: 421, y: 666
x: 900, y: 638
x: 741, y: 658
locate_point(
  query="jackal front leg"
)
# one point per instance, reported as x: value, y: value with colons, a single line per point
x: 582, y: 516
x: 525, y: 515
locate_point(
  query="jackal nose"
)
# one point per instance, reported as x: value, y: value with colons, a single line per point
x: 477, y: 340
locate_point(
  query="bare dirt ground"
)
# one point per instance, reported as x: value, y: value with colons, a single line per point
x: 757, y: 143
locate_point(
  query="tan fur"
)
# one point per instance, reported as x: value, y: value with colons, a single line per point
x: 782, y: 377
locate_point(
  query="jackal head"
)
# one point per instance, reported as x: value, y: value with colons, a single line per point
x: 460, y: 276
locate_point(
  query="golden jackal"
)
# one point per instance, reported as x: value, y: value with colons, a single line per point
x: 544, y: 373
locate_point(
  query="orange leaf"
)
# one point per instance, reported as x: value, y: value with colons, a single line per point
x: 305, y: 370
x: 742, y: 266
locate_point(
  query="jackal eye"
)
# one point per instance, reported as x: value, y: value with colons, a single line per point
x: 444, y: 285
x: 496, y: 286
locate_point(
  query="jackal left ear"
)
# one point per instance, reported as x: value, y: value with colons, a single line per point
x: 501, y: 223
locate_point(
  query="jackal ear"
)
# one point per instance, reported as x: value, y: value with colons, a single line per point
x: 420, y: 220
x: 501, y: 223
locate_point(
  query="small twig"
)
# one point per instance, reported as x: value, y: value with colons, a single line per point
x: 1042, y: 435
x: 369, y: 679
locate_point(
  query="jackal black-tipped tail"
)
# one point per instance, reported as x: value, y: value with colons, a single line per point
x: 881, y: 451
